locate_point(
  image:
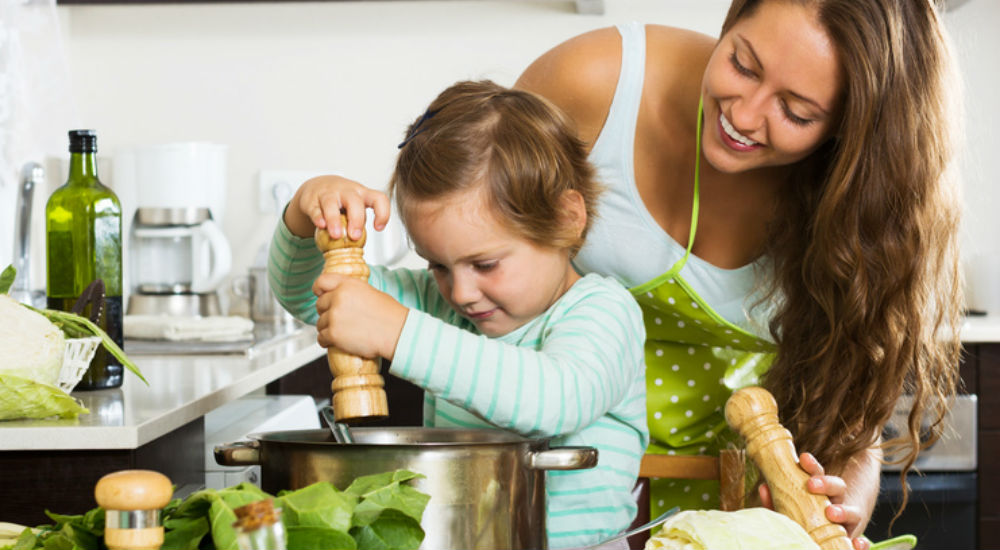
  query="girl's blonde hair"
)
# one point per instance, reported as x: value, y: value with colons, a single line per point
x: 518, y: 145
x: 864, y: 245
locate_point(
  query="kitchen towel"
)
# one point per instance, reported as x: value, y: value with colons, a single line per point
x: 188, y: 328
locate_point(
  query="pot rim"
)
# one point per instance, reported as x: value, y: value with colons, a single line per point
x: 401, y: 436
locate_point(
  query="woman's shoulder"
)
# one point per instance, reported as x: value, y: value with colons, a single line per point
x: 580, y: 75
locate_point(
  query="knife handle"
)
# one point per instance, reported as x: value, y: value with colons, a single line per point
x: 358, y: 388
x: 753, y: 413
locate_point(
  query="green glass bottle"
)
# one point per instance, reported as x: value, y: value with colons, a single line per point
x: 83, y: 229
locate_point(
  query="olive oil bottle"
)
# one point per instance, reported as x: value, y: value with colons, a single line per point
x: 83, y: 229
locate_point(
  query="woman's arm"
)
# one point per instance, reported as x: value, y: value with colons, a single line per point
x: 852, y: 494
x: 861, y: 477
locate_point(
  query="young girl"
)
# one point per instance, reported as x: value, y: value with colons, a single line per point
x: 501, y: 332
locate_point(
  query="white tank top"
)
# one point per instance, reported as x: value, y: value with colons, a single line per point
x: 625, y: 241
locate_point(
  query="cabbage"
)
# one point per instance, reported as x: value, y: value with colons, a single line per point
x: 23, y: 398
x: 31, y: 347
x: 747, y: 529
x: 31, y: 356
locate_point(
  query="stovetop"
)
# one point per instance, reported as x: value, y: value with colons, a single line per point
x: 955, y: 451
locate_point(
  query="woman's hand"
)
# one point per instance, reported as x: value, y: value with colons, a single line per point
x: 356, y: 318
x: 319, y: 202
x: 840, y: 510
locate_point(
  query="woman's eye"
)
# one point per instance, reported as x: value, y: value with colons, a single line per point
x: 740, y: 68
x: 795, y: 119
x: 436, y: 267
x: 485, y: 266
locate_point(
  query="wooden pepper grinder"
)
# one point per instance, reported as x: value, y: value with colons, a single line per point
x: 132, y: 502
x: 358, y: 388
x: 753, y: 413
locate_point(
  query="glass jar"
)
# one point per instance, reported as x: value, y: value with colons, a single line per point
x: 258, y: 526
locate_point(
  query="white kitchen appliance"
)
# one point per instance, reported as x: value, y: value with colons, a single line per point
x: 178, y: 258
x: 177, y: 255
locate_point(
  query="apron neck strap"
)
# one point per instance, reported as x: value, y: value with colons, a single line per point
x: 694, y: 207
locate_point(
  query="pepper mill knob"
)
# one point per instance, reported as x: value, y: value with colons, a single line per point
x: 753, y: 413
x: 358, y: 388
x: 132, y: 502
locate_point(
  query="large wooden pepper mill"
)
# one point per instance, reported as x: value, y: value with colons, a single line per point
x: 132, y: 502
x: 753, y: 413
x: 358, y: 388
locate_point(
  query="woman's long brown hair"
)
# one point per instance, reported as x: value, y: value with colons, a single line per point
x: 864, y: 243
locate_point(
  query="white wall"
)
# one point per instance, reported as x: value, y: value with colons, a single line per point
x: 330, y: 86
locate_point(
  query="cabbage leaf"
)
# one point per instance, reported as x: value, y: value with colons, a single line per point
x: 747, y: 529
x: 24, y: 398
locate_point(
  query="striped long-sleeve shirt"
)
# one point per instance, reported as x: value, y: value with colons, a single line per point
x: 575, y: 374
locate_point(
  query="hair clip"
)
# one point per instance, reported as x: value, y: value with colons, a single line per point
x: 428, y: 114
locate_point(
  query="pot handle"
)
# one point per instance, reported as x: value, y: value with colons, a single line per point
x: 564, y: 458
x: 241, y: 453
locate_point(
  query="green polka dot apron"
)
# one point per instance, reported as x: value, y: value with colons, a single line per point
x: 695, y: 359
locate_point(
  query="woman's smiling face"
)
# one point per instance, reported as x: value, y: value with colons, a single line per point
x: 771, y: 90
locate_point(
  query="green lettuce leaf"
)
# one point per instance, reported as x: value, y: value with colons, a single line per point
x: 392, y: 530
x: 318, y: 505
x: 304, y: 537
x: 386, y: 491
x: 23, y: 398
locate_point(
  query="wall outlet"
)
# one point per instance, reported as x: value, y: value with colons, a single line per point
x: 276, y: 187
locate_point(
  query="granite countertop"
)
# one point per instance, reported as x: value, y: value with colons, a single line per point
x: 182, y: 388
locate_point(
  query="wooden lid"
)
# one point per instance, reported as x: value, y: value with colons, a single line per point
x: 325, y: 242
x: 133, y: 490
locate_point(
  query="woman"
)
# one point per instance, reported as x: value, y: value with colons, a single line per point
x: 779, y: 207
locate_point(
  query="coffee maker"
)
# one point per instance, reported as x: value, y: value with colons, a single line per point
x: 177, y: 254
x: 178, y: 258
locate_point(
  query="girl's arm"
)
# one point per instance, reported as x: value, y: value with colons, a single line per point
x: 581, y: 361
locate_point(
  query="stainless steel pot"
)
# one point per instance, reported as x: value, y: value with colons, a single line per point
x: 487, y: 487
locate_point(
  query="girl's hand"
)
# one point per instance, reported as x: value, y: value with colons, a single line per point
x: 832, y: 487
x: 355, y: 318
x: 319, y: 202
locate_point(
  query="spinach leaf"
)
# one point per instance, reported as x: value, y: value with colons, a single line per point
x: 318, y: 505
x: 393, y: 530
x: 385, y: 492
x: 307, y: 537
x: 184, y: 533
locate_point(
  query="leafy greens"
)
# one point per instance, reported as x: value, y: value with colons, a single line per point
x: 380, y: 511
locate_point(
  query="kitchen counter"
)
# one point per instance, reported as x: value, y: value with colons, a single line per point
x: 182, y: 388
x: 55, y: 464
x: 982, y: 329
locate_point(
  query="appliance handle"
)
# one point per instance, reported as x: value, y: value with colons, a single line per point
x: 564, y: 458
x: 240, y: 453
x: 221, y: 258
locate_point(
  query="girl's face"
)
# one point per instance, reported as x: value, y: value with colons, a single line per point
x: 771, y: 90
x: 490, y: 276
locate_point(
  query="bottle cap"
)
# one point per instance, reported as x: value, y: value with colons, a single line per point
x: 82, y: 141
